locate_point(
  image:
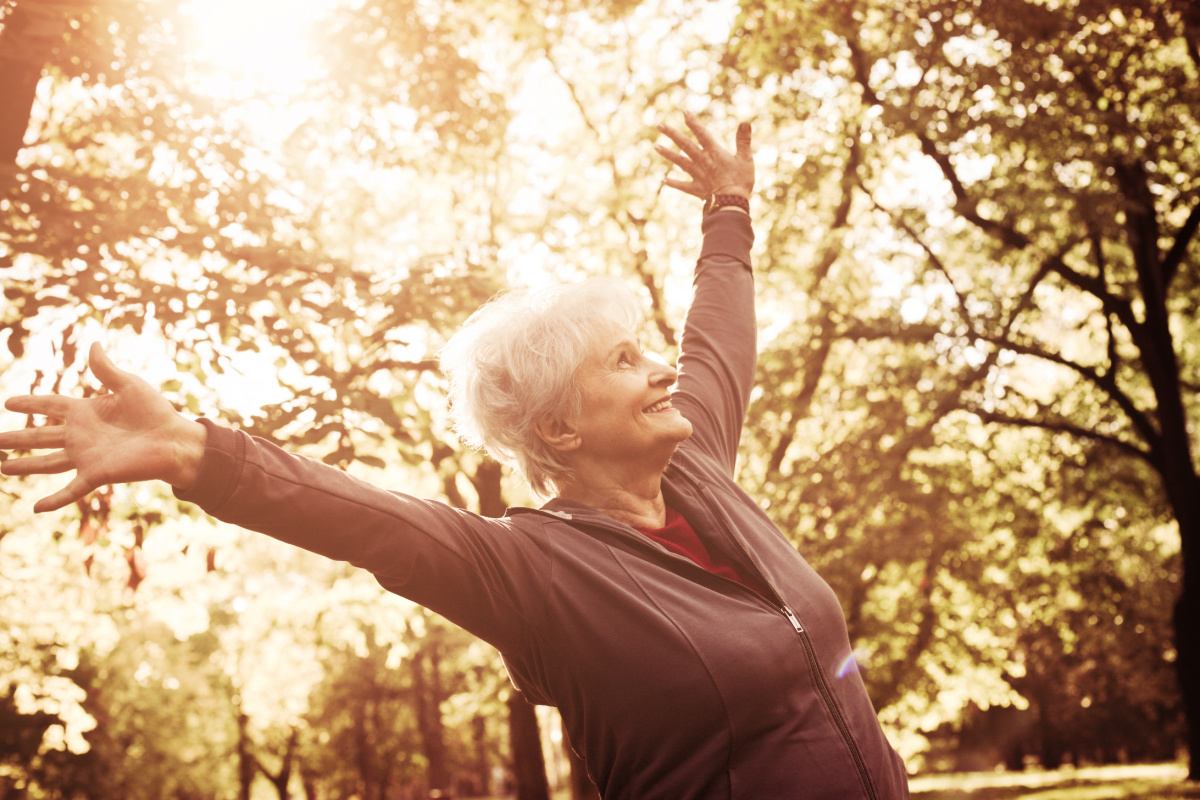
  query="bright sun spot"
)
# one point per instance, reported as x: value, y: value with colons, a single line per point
x: 255, y: 46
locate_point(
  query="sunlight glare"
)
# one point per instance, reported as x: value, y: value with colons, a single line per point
x: 256, y: 45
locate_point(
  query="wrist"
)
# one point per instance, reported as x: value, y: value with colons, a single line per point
x: 734, y: 189
x: 720, y: 201
x: 188, y: 445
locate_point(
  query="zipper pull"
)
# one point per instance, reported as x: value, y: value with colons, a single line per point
x: 792, y: 619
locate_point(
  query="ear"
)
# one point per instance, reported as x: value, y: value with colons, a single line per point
x: 559, y: 434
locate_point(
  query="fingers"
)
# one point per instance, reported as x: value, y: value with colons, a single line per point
x: 701, y: 133
x: 672, y: 156
x: 104, y: 369
x: 705, y: 140
x: 51, y: 464
x: 34, y: 438
x: 75, y: 490
x: 683, y: 162
x: 700, y: 184
x: 712, y: 168
x: 694, y: 188
x: 684, y: 143
x: 49, y: 405
x: 743, y: 140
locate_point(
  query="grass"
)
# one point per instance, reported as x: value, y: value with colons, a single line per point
x: 1136, y: 782
x: 1131, y: 782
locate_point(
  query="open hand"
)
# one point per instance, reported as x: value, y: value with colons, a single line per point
x: 713, y: 169
x: 130, y: 434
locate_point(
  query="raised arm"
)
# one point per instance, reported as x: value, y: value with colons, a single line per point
x: 718, y: 348
x: 130, y: 434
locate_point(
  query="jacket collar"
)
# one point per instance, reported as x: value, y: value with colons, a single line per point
x: 574, y: 512
x: 583, y: 514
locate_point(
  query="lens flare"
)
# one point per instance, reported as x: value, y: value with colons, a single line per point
x: 855, y: 661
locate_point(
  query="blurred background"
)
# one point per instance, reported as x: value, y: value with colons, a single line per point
x: 977, y: 404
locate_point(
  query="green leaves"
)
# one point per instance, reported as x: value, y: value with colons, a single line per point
x: 987, y: 203
x: 977, y: 283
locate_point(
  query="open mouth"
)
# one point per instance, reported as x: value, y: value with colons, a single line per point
x: 661, y: 405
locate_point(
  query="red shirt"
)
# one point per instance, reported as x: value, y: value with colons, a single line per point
x: 678, y: 537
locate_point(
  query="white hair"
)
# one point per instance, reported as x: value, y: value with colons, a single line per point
x: 513, y: 365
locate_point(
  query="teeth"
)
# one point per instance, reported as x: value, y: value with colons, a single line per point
x: 661, y: 405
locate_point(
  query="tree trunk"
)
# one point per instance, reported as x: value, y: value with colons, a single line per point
x: 1187, y: 640
x: 26, y: 43
x: 486, y: 481
x: 281, y: 779
x: 245, y: 764
x: 429, y: 718
x: 1183, y: 491
x: 309, y: 784
x: 368, y: 767
x: 525, y: 740
x: 482, y: 768
x: 1171, y: 452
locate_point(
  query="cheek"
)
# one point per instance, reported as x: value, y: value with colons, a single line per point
x: 601, y: 405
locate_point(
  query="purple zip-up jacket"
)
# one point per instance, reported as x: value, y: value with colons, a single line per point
x: 673, y: 683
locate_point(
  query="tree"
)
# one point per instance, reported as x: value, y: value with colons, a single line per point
x: 1062, y: 145
x: 427, y: 174
x: 529, y: 765
x: 96, y: 680
x: 222, y: 270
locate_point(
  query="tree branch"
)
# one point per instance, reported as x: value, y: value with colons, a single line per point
x: 424, y: 365
x: 841, y: 215
x: 1121, y: 308
x: 640, y: 257
x: 1106, y: 382
x: 859, y: 330
x: 933, y: 258
x: 1110, y: 347
x: 641, y: 260
x: 1141, y: 226
x: 964, y: 205
x: 1060, y: 426
x: 1189, y: 14
x: 1175, y: 256
x: 814, y: 367
x: 26, y: 41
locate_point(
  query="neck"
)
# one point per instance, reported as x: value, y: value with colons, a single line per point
x: 634, y: 498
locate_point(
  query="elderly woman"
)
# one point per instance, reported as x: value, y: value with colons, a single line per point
x: 691, y: 651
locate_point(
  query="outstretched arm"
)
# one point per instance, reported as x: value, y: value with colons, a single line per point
x: 472, y: 570
x: 130, y: 434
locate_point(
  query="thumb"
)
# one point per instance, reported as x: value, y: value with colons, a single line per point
x: 743, y: 140
x: 104, y: 369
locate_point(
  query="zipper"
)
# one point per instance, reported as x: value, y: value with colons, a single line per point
x: 787, y: 612
x: 814, y: 665
x: 827, y: 696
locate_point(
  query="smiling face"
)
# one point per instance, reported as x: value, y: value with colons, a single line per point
x: 626, y: 416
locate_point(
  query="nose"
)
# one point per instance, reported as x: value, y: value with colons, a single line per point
x: 662, y: 375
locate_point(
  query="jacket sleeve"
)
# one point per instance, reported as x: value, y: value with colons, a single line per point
x: 475, y: 571
x: 718, y: 350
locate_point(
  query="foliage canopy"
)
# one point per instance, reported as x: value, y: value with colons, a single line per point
x: 978, y: 293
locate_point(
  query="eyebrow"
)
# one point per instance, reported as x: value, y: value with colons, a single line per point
x: 623, y: 345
